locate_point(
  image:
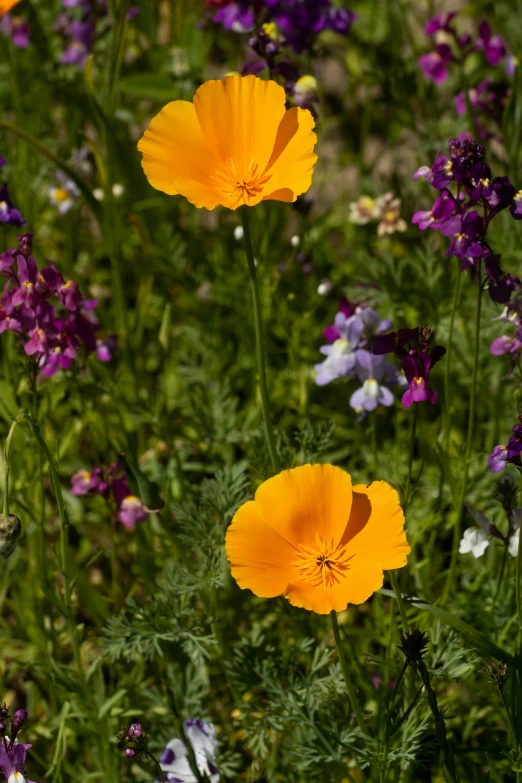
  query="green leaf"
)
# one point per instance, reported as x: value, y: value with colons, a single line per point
x: 141, y: 486
x: 114, y: 699
x: 482, y: 643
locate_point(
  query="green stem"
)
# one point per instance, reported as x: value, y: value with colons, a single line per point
x: 410, y: 460
x: 260, y: 351
x: 352, y: 696
x: 517, y: 583
x: 447, y: 369
x: 440, y: 726
x: 500, y: 576
x: 469, y: 441
x: 400, y: 602
x: 64, y: 554
x: 6, y: 452
x: 158, y: 766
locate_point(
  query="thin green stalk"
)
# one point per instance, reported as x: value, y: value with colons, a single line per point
x: 500, y: 576
x: 517, y: 583
x: 158, y: 766
x: 386, y: 742
x: 410, y: 459
x: 352, y: 696
x: 469, y: 442
x: 7, y: 468
x: 440, y: 726
x: 400, y: 602
x: 64, y: 553
x: 260, y: 351
x: 447, y: 368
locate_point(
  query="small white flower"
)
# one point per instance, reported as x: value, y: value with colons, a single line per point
x: 324, y: 288
x: 295, y: 241
x: 98, y: 194
x: 239, y: 233
x: 474, y: 540
x: 117, y: 190
x: 516, y: 516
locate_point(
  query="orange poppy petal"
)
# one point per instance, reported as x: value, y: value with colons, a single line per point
x: 240, y: 117
x: 375, y: 529
x: 260, y: 559
x: 292, y: 163
x: 355, y: 587
x: 6, y: 5
x: 176, y: 156
x: 311, y: 499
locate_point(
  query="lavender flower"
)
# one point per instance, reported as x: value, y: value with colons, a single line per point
x: 131, y: 511
x: 502, y: 455
x: 371, y: 370
x: 110, y: 482
x: 12, y: 752
x: 340, y: 355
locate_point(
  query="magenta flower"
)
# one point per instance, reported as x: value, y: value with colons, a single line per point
x: 85, y: 481
x: 417, y: 370
x: 433, y: 64
x: 17, y: 29
x: 131, y: 511
x: 492, y: 45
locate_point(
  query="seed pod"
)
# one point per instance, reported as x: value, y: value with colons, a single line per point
x: 10, y: 532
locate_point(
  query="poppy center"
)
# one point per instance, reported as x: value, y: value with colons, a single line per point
x: 242, y: 184
x: 322, y: 564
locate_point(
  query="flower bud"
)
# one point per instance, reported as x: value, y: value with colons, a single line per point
x: 18, y: 720
x: 136, y: 731
x: 129, y: 752
x: 10, y: 532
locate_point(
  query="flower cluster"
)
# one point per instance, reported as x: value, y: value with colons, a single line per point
x: 12, y: 752
x: 53, y: 337
x: 384, y: 209
x: 8, y: 213
x: 17, y: 29
x: 348, y: 356
x: 488, y: 99
x: 511, y: 453
x: 275, y: 26
x: 418, y: 354
x: 476, y: 539
x: 455, y: 214
x: 78, y: 29
x: 111, y: 483
x: 299, y: 21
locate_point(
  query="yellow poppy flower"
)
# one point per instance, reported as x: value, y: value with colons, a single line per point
x: 235, y: 144
x: 312, y: 537
x: 6, y: 5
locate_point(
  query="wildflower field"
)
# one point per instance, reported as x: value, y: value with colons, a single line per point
x: 260, y: 391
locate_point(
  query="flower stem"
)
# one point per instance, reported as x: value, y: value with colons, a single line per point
x: 6, y: 452
x: 260, y: 350
x: 440, y: 726
x: 356, y: 707
x: 64, y: 527
x: 410, y: 460
x: 447, y: 369
x: 469, y: 441
x: 400, y: 602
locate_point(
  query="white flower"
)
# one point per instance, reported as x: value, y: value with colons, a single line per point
x: 238, y: 233
x: 363, y: 210
x: 324, y: 288
x: 174, y: 759
x: 295, y: 241
x: 98, y: 194
x: 117, y: 190
x: 475, y: 541
x: 63, y: 196
x: 16, y: 777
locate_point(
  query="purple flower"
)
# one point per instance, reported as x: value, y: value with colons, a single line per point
x: 433, y: 64
x: 12, y: 761
x: 17, y: 29
x: 463, y: 244
x: 106, y: 347
x: 70, y: 295
x: 417, y: 370
x: 27, y: 277
x: 371, y: 370
x: 439, y: 22
x: 439, y: 214
x: 497, y: 460
x: 516, y: 205
x: 174, y: 759
x: 501, y: 284
x: 236, y: 16
x: 492, y: 45
x: 84, y: 482
x: 8, y: 214
x: 131, y: 511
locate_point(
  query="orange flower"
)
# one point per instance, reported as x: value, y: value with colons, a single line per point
x: 312, y: 537
x: 236, y: 144
x: 6, y: 5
